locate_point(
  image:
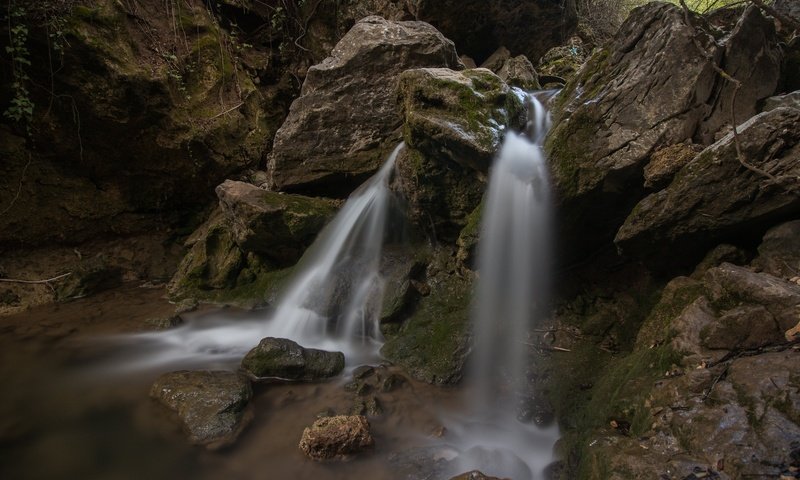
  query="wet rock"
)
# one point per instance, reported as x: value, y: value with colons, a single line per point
x: 665, y: 163
x: 519, y: 72
x: 369, y: 406
x: 284, y: 359
x: 211, y: 405
x: 562, y: 62
x: 363, y: 372
x: 90, y: 276
x: 163, y: 323
x: 457, y: 115
x: 399, y: 268
x: 475, y: 475
x: 421, y: 463
x: 338, y: 436
x: 277, y: 226
x: 779, y: 252
x: 454, y: 122
x: 714, y: 197
x: 331, y: 141
x: 392, y: 382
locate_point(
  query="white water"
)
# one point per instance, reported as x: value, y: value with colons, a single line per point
x: 333, y: 302
x: 514, y: 257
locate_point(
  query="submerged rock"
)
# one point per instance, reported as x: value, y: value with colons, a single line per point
x: 339, y: 436
x: 714, y: 197
x: 211, y: 405
x: 284, y: 359
x: 346, y: 120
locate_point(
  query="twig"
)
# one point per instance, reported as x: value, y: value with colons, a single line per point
x: 227, y: 111
x: 33, y: 282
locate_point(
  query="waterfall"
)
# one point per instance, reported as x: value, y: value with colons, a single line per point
x: 512, y: 292
x: 333, y: 300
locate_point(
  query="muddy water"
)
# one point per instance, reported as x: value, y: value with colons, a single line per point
x: 62, y: 417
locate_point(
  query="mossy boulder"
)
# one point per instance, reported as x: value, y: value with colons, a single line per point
x: 276, y: 226
x: 432, y: 344
x: 284, y: 359
x: 212, y: 406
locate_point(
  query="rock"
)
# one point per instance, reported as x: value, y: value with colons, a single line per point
x: 392, y: 382
x: 284, y: 359
x: 331, y: 141
x: 363, y: 372
x: 718, y: 255
x: 454, y: 122
x: 791, y: 100
x: 478, y: 28
x: 211, y: 405
x: 369, y: 406
x: 789, y: 8
x: 713, y: 197
x: 468, y: 62
x: 620, y: 107
x: 276, y: 226
x: 496, y: 60
x: 163, y: 323
x: 729, y: 286
x: 475, y: 475
x: 519, y: 72
x: 753, y: 56
x: 779, y: 252
x: 338, y: 436
x: 744, y: 327
x: 433, y: 343
x: 90, y: 276
x: 665, y: 163
x: 564, y: 61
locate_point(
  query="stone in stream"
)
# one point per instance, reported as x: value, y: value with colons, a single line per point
x: 284, y: 359
x: 475, y: 475
x: 211, y: 405
x: 335, y: 437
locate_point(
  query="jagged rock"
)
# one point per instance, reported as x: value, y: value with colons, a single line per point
x: 779, y: 252
x: 277, y: 226
x: 459, y: 116
x: 564, y: 61
x: 454, y: 122
x: 714, y: 196
x: 788, y: 100
x: 211, y: 405
x: 621, y: 106
x: 468, y: 62
x: 788, y: 7
x: 475, y: 475
x: 744, y: 327
x: 665, y: 163
x: 478, y: 27
x: 338, y: 436
x: 717, y: 256
x: 752, y: 56
x: 496, y: 60
x: 519, y: 72
x: 284, y: 359
x: 346, y: 121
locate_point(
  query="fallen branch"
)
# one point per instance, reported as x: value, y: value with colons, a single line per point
x: 227, y: 111
x: 34, y: 282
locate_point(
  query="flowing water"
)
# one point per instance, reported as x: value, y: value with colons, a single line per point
x: 333, y: 301
x: 514, y: 258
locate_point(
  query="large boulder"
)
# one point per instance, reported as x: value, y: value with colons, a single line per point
x: 286, y: 360
x: 779, y: 252
x: 346, y: 120
x: 211, y: 405
x: 624, y: 105
x: 336, y: 437
x: 277, y: 226
x: 715, y: 197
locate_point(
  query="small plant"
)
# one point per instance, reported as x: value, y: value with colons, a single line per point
x: 20, y: 109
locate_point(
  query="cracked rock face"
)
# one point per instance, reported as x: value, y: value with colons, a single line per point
x: 625, y: 104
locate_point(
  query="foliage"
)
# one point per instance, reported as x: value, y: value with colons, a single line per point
x: 20, y: 109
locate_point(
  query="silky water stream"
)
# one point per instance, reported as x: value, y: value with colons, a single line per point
x: 93, y: 419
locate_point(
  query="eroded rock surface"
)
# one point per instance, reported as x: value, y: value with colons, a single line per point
x: 211, y: 405
x: 336, y: 437
x: 286, y: 360
x: 346, y: 119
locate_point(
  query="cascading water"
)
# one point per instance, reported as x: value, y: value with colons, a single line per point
x: 332, y: 302
x: 513, y: 265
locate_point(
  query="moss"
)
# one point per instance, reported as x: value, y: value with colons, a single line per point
x: 569, y: 146
x: 431, y: 345
x: 677, y: 295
